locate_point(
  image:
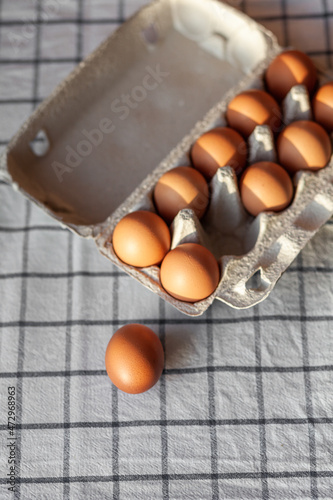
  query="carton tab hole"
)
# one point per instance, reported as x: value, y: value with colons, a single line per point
x: 40, y: 145
x: 150, y: 35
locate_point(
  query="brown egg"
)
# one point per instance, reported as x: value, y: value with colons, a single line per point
x: 251, y: 108
x: 181, y: 187
x: 304, y: 145
x: 134, y: 358
x: 290, y: 68
x: 265, y: 186
x: 190, y: 272
x: 217, y: 148
x: 323, y: 106
x: 141, y: 239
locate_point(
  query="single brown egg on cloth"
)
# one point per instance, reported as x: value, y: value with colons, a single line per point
x: 322, y: 106
x: 266, y: 186
x: 219, y: 147
x: 190, y: 272
x: 251, y: 108
x: 141, y: 239
x: 134, y: 358
x: 304, y: 145
x: 179, y: 188
x: 288, y: 69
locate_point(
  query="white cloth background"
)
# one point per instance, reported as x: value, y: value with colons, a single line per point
x: 244, y: 408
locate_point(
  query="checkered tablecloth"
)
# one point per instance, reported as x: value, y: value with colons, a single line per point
x: 244, y: 408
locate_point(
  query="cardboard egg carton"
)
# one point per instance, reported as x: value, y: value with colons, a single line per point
x: 94, y: 150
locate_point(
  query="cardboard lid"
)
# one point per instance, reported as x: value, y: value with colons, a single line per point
x: 122, y: 110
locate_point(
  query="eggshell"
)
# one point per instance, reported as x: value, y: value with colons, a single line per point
x: 217, y: 148
x: 141, y: 239
x: 304, y: 145
x: 179, y: 188
x: 290, y: 68
x: 323, y: 106
x: 265, y: 186
x: 251, y: 108
x: 190, y: 272
x: 134, y: 358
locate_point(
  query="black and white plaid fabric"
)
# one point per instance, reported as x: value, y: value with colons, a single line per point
x: 244, y: 408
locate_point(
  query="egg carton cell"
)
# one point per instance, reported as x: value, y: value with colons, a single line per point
x: 132, y: 111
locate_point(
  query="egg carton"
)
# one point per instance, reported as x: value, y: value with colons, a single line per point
x: 93, y: 151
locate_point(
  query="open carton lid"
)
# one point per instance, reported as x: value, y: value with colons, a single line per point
x: 120, y: 113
